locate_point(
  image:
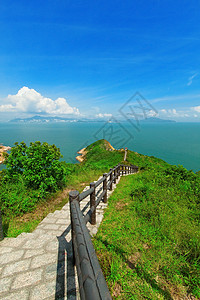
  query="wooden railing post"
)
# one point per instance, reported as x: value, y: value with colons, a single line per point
x: 111, y: 179
x: 73, y: 195
x: 92, y: 203
x: 114, y: 176
x: 1, y: 228
x: 105, y: 188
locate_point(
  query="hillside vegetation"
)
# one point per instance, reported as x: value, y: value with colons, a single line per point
x: 36, y: 183
x: 149, y: 241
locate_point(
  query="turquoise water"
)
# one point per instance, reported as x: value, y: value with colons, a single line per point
x: 176, y: 143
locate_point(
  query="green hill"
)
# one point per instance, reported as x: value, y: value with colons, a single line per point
x: 149, y: 241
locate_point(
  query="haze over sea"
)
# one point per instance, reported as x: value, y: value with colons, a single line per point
x: 176, y: 143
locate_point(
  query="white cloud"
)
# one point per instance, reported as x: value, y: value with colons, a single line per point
x: 163, y: 111
x: 6, y: 108
x: 184, y: 114
x: 173, y: 113
x: 104, y: 115
x: 190, y: 79
x: 28, y: 100
x: 151, y: 113
x: 170, y: 112
x: 196, y: 108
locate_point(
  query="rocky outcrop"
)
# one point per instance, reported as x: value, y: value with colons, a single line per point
x: 3, y: 149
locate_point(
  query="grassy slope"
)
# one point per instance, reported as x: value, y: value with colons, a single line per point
x: 23, y: 209
x: 149, y: 242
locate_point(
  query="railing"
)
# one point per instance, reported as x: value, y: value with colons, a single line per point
x: 92, y: 284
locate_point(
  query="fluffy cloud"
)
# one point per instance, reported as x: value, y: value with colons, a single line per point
x: 151, y: 113
x: 196, y: 108
x: 168, y: 112
x: 173, y: 113
x: 186, y: 114
x: 6, y: 108
x: 163, y: 111
x: 30, y: 101
x: 104, y: 115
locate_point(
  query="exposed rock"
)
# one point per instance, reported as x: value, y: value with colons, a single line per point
x: 3, y: 149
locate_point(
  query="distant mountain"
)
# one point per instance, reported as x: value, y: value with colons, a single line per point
x: 157, y: 120
x: 40, y: 119
x: 46, y: 119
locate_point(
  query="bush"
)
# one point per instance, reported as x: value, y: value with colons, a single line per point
x: 15, y: 199
x: 38, y: 165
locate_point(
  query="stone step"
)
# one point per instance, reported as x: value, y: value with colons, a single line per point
x: 34, y: 265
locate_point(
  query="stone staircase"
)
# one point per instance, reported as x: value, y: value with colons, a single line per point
x: 38, y: 265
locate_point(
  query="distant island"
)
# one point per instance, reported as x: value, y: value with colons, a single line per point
x: 157, y: 120
x: 41, y: 119
x: 46, y: 119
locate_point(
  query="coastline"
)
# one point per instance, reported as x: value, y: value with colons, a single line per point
x: 82, y: 153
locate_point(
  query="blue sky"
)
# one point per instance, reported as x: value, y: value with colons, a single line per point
x: 87, y: 58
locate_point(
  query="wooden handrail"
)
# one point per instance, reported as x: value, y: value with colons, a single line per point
x: 92, y: 284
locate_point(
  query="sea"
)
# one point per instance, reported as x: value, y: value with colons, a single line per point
x: 176, y: 143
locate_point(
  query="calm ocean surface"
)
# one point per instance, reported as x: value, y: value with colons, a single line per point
x: 176, y: 143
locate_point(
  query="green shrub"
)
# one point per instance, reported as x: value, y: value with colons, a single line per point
x: 15, y: 199
x: 38, y: 165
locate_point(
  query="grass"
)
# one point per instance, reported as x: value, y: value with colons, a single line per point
x: 27, y: 222
x: 23, y: 209
x: 149, y: 242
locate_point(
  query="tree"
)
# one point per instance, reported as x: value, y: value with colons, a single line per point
x: 38, y: 165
